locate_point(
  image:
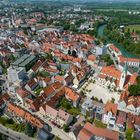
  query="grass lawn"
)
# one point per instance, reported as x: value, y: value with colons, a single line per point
x: 66, y: 105
x: 16, y: 127
x: 38, y: 90
x: 44, y: 74
x: 133, y: 27
x: 129, y: 134
x: 65, y: 62
x: 99, y: 124
x: 74, y: 111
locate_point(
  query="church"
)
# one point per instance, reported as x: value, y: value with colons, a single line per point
x: 112, y: 78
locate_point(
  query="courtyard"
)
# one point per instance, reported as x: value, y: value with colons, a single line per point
x: 96, y: 90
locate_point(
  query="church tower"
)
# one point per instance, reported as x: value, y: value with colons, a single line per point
x: 123, y: 76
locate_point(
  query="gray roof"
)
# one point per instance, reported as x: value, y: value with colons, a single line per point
x: 24, y: 60
x: 45, y: 135
x: 21, y: 59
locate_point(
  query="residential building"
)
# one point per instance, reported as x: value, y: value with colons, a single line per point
x: 91, y: 132
x: 71, y: 95
x: 22, y: 115
x: 109, y: 117
x: 60, y: 117
x: 121, y: 121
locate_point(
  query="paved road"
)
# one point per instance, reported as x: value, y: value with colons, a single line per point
x: 14, y: 135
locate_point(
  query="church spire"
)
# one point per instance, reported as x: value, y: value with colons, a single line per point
x: 125, y: 68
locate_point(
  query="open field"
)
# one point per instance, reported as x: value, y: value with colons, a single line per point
x: 133, y: 27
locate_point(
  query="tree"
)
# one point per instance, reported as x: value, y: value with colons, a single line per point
x: 138, y: 79
x: 101, y: 101
x: 107, y: 59
x: 57, y: 138
x: 97, y: 42
x: 134, y: 90
x: 66, y: 26
x: 30, y: 130
x: 66, y: 128
x: 129, y: 134
x: 112, y: 100
x: 69, y: 52
x: 65, y: 104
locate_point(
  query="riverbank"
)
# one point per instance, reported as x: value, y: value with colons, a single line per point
x: 119, y: 46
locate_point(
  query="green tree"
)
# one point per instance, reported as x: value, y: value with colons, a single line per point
x: 134, y: 90
x: 138, y: 79
x: 30, y: 130
x: 66, y: 128
x: 129, y: 134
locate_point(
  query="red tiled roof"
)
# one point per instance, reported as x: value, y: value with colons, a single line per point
x: 114, y: 48
x: 102, y: 76
x: 84, y: 135
x: 121, y: 118
x: 89, y: 130
x: 59, y: 78
x: 130, y: 120
x: 63, y: 115
x: 31, y: 83
x: 3, y: 98
x: 15, y: 109
x: 111, y: 107
x: 111, y: 71
x: 51, y: 89
x: 49, y: 110
x: 124, y: 59
x: 71, y: 94
x: 22, y: 92
x: 37, y: 65
x: 124, y: 96
x: 18, y: 111
x: 92, y: 57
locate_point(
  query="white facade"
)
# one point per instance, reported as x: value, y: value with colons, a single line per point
x: 122, y: 80
x: 16, y: 74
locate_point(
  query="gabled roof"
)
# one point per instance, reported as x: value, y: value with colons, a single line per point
x: 121, y: 118
x: 63, y: 115
x: 89, y: 131
x: 22, y: 92
x: 59, y: 78
x: 20, y: 112
x: 114, y: 48
x: 91, y: 57
x: 31, y: 83
x: 37, y: 65
x: 111, y: 71
x: 111, y: 107
x: 71, y: 94
x: 132, y: 120
x: 15, y: 109
x: 124, y: 59
x: 3, y: 98
x: 49, y: 110
x: 51, y: 89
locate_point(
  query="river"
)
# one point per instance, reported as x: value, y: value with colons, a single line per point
x: 119, y: 46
